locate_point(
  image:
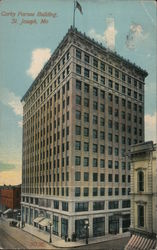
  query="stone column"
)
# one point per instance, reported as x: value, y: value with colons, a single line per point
x: 106, y: 224
x: 120, y: 225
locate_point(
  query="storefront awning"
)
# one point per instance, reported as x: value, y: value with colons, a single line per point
x: 8, y: 211
x: 38, y: 219
x: 140, y: 243
x: 44, y: 222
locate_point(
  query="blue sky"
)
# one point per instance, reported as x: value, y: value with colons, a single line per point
x: 129, y: 27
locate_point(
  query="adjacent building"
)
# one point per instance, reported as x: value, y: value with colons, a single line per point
x: 143, y: 196
x: 10, y: 197
x: 80, y: 116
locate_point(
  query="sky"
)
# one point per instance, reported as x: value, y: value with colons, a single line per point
x: 30, y: 30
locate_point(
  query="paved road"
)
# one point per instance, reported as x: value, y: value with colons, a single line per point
x: 8, y: 242
x: 15, y: 238
x: 117, y: 244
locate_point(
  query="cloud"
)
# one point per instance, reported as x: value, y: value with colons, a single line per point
x: 135, y: 35
x: 150, y: 127
x: 20, y: 124
x: 9, y: 99
x: 6, y: 166
x: 39, y: 57
x: 109, y: 34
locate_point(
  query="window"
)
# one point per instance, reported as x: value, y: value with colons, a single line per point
x: 102, y: 121
x: 86, y: 191
x: 64, y: 206
x: 77, y: 191
x: 102, y: 135
x: 78, y: 69
x: 125, y: 203
x: 116, y: 178
x: 95, y: 134
x: 123, y: 77
x: 95, y: 177
x: 113, y: 204
x: 116, y: 99
x: 95, y: 191
x: 81, y: 206
x: 102, y: 177
x: 77, y: 176
x: 77, y: 145
x: 86, y: 73
x: 78, y: 130
x: 123, y: 89
x: 102, y: 107
x: 110, y: 97
x: 86, y: 102
x: 78, y: 84
x: 86, y: 117
x: 95, y: 92
x: 109, y: 164
x: 116, y: 164
x: 102, y: 191
x: 95, y: 148
x: 102, y: 149
x: 98, y: 205
x: 95, y: 62
x: 116, y: 151
x: 95, y: 162
x: 110, y: 83
x: 140, y: 215
x: 78, y: 115
x: 116, y: 73
x: 102, y: 66
x: 77, y: 160
x: 102, y: 94
x: 102, y: 80
x: 78, y: 100
x: 86, y: 146
x: 56, y: 204
x: 86, y: 88
x: 102, y: 163
x: 95, y: 76
x: 109, y: 123
x: 95, y: 105
x: 116, y: 86
x: 140, y: 181
x: 86, y: 132
x: 109, y: 191
x: 78, y: 54
x: 86, y: 58
x: 95, y: 119
x: 116, y: 191
x: 86, y: 161
x: 110, y: 178
x: 109, y: 150
x: 86, y: 176
x: 110, y: 70
x: 123, y: 102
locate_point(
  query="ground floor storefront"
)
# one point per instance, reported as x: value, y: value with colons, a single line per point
x: 76, y: 226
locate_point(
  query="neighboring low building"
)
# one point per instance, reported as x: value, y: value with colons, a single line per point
x: 10, y: 197
x: 143, y: 196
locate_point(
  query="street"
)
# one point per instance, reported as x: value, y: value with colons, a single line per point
x: 7, y: 242
x: 117, y: 244
x: 15, y: 238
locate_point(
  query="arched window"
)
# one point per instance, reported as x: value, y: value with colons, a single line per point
x: 140, y: 181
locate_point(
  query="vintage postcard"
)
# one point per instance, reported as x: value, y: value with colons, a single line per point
x: 77, y: 100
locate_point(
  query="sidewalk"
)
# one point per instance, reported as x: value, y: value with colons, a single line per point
x: 60, y: 243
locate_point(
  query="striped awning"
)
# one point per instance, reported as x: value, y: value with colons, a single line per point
x: 44, y: 222
x: 38, y: 219
x: 140, y: 243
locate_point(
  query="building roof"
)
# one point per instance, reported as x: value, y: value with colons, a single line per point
x: 74, y: 31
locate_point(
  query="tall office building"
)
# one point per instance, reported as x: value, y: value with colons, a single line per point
x: 80, y: 116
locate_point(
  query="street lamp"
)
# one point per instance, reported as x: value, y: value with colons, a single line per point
x: 51, y: 225
x: 87, y: 230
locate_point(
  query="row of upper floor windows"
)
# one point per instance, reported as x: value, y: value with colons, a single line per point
x: 98, y: 64
x: 114, y: 86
